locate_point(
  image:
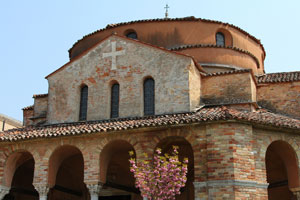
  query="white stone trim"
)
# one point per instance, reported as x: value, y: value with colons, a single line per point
x: 42, y: 190
x: 94, y: 190
x: 222, y: 66
x: 113, y: 54
x: 3, y: 191
x: 221, y: 183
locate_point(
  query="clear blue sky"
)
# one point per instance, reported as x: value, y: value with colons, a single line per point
x: 35, y: 35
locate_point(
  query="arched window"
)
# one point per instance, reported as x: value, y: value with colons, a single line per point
x: 149, y: 106
x: 83, y: 103
x: 220, y: 39
x: 132, y: 35
x: 114, y: 109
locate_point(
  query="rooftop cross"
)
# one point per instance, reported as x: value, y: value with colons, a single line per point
x: 167, y: 14
x: 113, y: 54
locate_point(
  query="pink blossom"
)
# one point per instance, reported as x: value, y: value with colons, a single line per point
x: 162, y: 179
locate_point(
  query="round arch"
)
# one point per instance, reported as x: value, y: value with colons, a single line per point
x: 56, y: 159
x: 18, y: 176
x: 282, y: 169
x: 15, y: 160
x: 227, y: 36
x: 185, y: 150
x: 115, y: 147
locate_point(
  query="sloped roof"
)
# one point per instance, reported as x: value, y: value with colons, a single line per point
x: 190, y: 46
x: 279, y: 77
x: 191, y: 18
x: 10, y: 120
x: 39, y: 95
x: 206, y: 114
x: 237, y: 71
x: 28, y: 108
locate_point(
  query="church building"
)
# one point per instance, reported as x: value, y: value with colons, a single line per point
x: 136, y: 86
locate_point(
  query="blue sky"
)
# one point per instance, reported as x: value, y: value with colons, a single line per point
x: 35, y: 35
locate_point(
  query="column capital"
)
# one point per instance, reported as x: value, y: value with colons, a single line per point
x: 296, y: 192
x: 42, y: 190
x: 94, y: 189
x: 3, y: 191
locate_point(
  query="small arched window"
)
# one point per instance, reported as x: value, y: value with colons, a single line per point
x: 83, y: 103
x: 220, y: 39
x: 149, y: 94
x: 132, y: 35
x: 114, y: 110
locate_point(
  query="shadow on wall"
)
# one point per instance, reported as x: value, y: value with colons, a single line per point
x: 171, y: 39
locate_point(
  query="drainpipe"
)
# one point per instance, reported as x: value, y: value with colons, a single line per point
x: 3, y: 125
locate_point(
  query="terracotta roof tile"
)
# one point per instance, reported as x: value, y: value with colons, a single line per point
x: 279, y: 77
x: 202, y: 115
x: 229, y: 72
x: 191, y: 18
x: 39, y: 95
x: 28, y: 108
x: 189, y: 46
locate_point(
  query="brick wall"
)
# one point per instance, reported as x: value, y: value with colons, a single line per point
x: 280, y: 97
x: 229, y: 88
x: 171, y: 73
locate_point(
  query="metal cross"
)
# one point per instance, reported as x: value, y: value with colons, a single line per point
x: 113, y: 54
x: 167, y: 14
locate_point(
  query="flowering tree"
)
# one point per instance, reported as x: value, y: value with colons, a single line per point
x: 162, y: 179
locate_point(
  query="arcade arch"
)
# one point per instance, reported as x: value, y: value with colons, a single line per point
x: 18, y: 176
x: 66, y: 174
x: 185, y: 151
x: 282, y: 170
x: 118, y: 182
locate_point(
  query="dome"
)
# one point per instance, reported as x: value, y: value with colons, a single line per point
x: 215, y: 45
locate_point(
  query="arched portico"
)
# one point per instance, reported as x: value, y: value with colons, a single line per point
x: 118, y: 182
x: 282, y: 170
x: 66, y: 174
x: 18, y: 176
x: 185, y: 151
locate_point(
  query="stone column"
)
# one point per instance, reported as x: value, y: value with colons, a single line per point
x: 3, y: 191
x: 42, y: 190
x: 297, y: 194
x: 94, y: 190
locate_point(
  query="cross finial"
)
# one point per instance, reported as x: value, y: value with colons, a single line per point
x: 167, y: 14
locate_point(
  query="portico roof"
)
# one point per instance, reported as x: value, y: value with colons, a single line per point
x: 205, y: 114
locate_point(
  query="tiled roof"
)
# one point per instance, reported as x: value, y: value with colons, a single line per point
x: 191, y: 18
x: 279, y: 77
x: 39, y: 95
x: 205, y: 114
x: 28, y: 108
x: 229, y: 72
x: 189, y: 46
x: 10, y: 120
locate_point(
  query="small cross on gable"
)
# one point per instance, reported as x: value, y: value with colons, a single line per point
x: 113, y: 54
